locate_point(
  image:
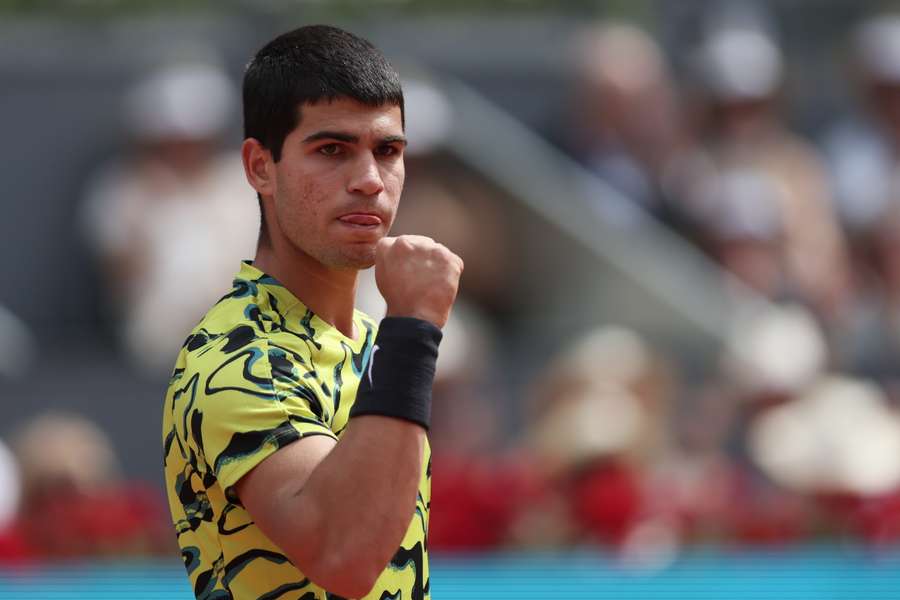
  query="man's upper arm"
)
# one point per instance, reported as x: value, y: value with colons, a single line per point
x: 268, y: 490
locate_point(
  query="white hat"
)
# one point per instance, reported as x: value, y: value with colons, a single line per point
x: 838, y: 436
x: 740, y: 64
x: 780, y: 348
x: 188, y: 101
x: 597, y: 420
x: 623, y: 354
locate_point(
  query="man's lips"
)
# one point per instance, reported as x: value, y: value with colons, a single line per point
x: 361, y: 219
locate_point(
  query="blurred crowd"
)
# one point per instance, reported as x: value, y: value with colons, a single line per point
x: 63, y: 497
x: 792, y: 436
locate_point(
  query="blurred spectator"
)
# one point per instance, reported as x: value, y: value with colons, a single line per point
x: 839, y: 436
x: 706, y: 489
x: 625, y: 123
x: 864, y: 155
x: 773, y: 354
x: 838, y: 444
x: 599, y: 421
x: 775, y: 351
x: 866, y: 341
x: 607, y: 359
x: 171, y: 219
x: 74, y: 504
x: 744, y: 228
x: 583, y: 442
x: 863, y: 149
x: 740, y: 72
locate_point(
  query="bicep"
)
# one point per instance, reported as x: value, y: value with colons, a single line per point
x: 269, y: 490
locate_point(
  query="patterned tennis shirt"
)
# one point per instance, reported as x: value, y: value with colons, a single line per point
x: 261, y: 371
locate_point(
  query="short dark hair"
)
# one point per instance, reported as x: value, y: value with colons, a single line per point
x: 308, y: 65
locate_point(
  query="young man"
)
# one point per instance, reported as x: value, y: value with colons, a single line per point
x: 296, y: 459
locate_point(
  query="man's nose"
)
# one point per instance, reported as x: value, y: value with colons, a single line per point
x: 366, y: 177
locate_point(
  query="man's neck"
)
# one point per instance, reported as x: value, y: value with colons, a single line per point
x: 329, y: 293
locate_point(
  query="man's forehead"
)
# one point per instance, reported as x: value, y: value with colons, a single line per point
x: 348, y: 112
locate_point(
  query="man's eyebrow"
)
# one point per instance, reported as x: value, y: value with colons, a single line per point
x: 351, y: 139
x: 394, y: 139
x: 331, y: 135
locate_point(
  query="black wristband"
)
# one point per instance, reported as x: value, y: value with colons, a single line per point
x: 400, y: 372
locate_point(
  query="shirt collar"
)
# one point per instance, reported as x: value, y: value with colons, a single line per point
x: 252, y: 279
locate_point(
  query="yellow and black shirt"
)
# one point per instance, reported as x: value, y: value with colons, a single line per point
x: 259, y: 372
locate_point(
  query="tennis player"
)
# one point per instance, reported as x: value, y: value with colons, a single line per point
x: 296, y: 457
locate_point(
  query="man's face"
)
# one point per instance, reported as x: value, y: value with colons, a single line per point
x: 338, y: 182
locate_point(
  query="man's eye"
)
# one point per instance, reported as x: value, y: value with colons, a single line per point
x: 386, y: 150
x: 330, y: 149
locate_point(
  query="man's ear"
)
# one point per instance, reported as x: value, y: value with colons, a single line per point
x: 258, y: 166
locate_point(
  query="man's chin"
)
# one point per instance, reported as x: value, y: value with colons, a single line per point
x: 364, y: 264
x: 354, y: 258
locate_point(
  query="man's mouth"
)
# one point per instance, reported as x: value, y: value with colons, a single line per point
x: 361, y: 219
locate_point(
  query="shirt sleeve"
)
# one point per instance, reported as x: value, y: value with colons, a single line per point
x: 253, y: 403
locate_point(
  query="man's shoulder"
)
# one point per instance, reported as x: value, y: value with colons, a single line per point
x: 225, y: 334
x: 241, y: 339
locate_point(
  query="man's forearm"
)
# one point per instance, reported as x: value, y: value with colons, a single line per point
x: 358, y: 502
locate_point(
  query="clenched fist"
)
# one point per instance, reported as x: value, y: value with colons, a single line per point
x: 417, y: 277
